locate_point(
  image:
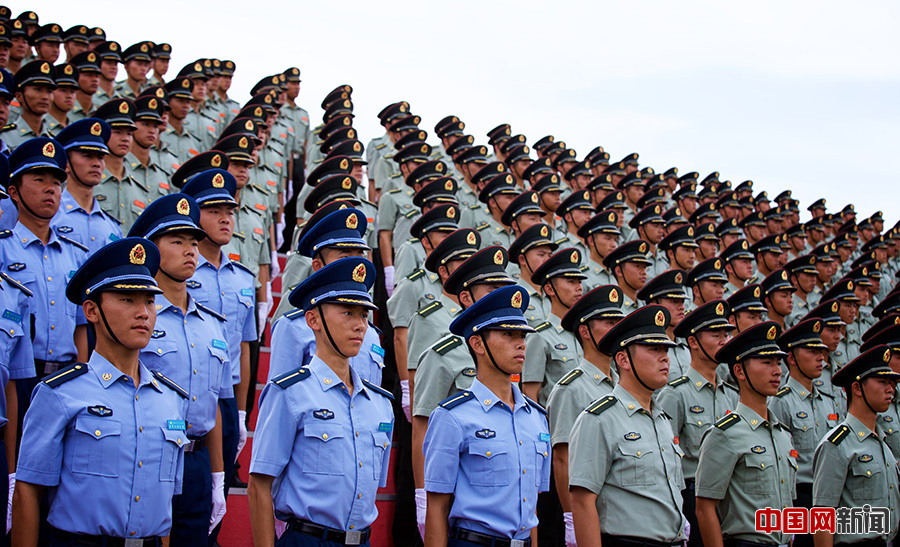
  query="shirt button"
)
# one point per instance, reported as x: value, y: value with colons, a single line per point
x: 867, y: 472
x: 49, y: 278
x: 360, y: 464
x: 97, y: 432
x: 135, y: 397
x: 52, y: 327
x: 359, y: 496
x: 639, y: 452
x: 782, y: 481
x: 46, y: 257
x: 195, y: 371
x: 92, y: 239
x: 52, y: 302
x: 523, y: 471
x: 141, y: 429
x: 352, y: 526
x: 140, y: 464
x: 488, y: 453
x: 133, y: 533
x: 520, y: 443
x: 324, y: 435
x: 192, y: 344
x: 159, y: 351
x: 137, y: 498
x: 50, y: 351
x: 762, y: 465
x: 195, y: 398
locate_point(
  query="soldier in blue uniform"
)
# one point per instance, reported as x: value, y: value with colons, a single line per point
x: 106, y: 438
x: 79, y: 216
x: 323, y: 442
x: 189, y: 346
x: 43, y: 260
x: 487, y: 449
x: 226, y: 287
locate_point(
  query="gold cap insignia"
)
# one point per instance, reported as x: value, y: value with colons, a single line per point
x: 183, y: 207
x: 49, y: 150
x: 268, y: 99
x: 612, y: 217
x: 144, y: 48
x: 784, y: 275
x: 55, y: 28
x: 439, y: 167
x: 352, y: 221
x: 574, y: 257
x: 544, y: 231
x: 720, y: 309
x: 660, y: 319
x: 554, y: 179
x: 216, y: 160
x: 248, y: 125
x: 113, y: 46
x: 137, y: 255
x: 691, y: 231
x: 534, y: 198
x: 185, y: 83
x: 587, y: 195
x: 744, y: 245
x: 850, y: 284
x: 498, y: 257
x: 359, y: 273
x: 351, y: 134
x: 357, y: 147
x: 817, y: 326
x: 68, y: 70
x: 772, y: 332
x: 152, y: 104
x: 123, y: 107
x: 257, y: 111
x: 470, y: 238
x: 887, y: 355
x: 451, y: 212
x: 218, y: 181
x: 679, y: 278
x: 614, y: 295
x: 346, y: 183
x: 834, y: 307
x: 718, y: 264
x: 757, y: 292
x: 812, y: 260
x: 344, y: 164
x: 448, y: 186
x: 656, y: 209
x: 516, y: 300
x: 642, y: 248
x: 96, y: 129
x: 160, y: 93
x: 45, y: 68
x: 244, y: 143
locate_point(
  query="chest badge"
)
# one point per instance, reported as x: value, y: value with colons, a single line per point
x: 758, y: 449
x: 886, y: 418
x: 471, y: 373
x: 561, y: 346
x: 100, y: 410
x: 486, y: 434
x: 697, y: 409
x: 193, y: 284
x: 802, y: 415
x: 16, y: 267
x: 865, y: 458
x: 158, y: 334
x: 632, y: 436
x: 64, y: 229
x: 324, y: 414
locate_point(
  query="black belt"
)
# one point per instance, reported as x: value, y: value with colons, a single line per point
x: 106, y: 541
x: 196, y: 444
x: 43, y: 368
x: 734, y: 542
x: 486, y: 540
x: 804, y: 488
x: 689, y: 484
x: 351, y: 537
x: 628, y: 541
x: 866, y: 543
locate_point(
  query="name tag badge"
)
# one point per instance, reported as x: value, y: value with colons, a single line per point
x: 176, y: 425
x: 545, y: 437
x: 12, y: 316
x: 385, y: 427
x: 246, y: 292
x: 71, y: 273
x: 114, y: 237
x: 378, y: 349
x: 220, y: 344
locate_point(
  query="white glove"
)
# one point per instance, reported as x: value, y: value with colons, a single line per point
x: 12, y: 486
x: 280, y: 527
x: 262, y: 311
x: 570, y: 530
x: 218, y: 500
x: 288, y: 191
x: 421, y: 506
x: 270, y: 300
x: 389, y: 280
x: 275, y: 265
x: 242, y: 432
x: 279, y: 234
x: 404, y: 399
x: 687, y: 530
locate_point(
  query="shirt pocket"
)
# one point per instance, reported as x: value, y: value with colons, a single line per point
x: 637, y: 464
x: 381, y: 444
x: 759, y: 474
x: 217, y: 360
x: 322, y: 451
x: 96, y: 450
x: 804, y: 433
x: 869, y: 482
x: 13, y: 331
x: 159, y: 350
x: 173, y: 442
x: 695, y: 426
x: 488, y: 463
x: 542, y: 453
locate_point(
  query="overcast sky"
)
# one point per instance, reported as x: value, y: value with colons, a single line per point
x: 800, y: 95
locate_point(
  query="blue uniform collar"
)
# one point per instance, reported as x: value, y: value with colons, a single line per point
x: 67, y: 204
x: 487, y: 399
x: 25, y: 237
x: 108, y: 374
x: 327, y: 379
x: 162, y: 304
x: 223, y: 260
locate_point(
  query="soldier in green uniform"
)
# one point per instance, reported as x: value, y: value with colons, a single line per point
x: 887, y: 332
x: 198, y: 120
x: 747, y: 461
x: 698, y: 399
x: 575, y: 211
x: 554, y: 351
x: 680, y: 250
x: 853, y: 465
x: 88, y: 65
x: 667, y: 290
x: 601, y: 236
x: 768, y: 255
x: 589, y: 320
x: 802, y: 272
x: 628, y: 262
x: 738, y: 265
x: 63, y: 100
x: 136, y: 59
x: 529, y: 252
x: 110, y: 54
x: 498, y: 193
x: 162, y: 54
x: 296, y: 116
x: 648, y: 225
x: 851, y: 339
x: 624, y: 463
x: 427, y: 232
x: 231, y: 107
x: 35, y: 83
x: 178, y: 138
x: 522, y: 213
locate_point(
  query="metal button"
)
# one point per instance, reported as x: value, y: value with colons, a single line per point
x: 488, y: 453
x: 324, y: 435
x: 97, y: 432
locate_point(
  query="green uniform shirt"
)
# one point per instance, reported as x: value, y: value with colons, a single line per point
x: 152, y: 177
x: 572, y: 394
x: 122, y: 89
x: 853, y: 466
x: 808, y: 415
x: 408, y: 258
x: 597, y: 275
x: 550, y: 354
x: 415, y: 291
x: 428, y: 325
x: 443, y: 370
x: 679, y: 359
x: 397, y: 214
x: 746, y: 462
x: 298, y: 121
x: 204, y: 127
x: 21, y: 132
x: 101, y: 97
x: 124, y: 199
x: 628, y: 457
x: 472, y: 214
x: 232, y: 109
x: 495, y: 234
x: 184, y: 145
x: 889, y: 422
x: 77, y: 113
x: 695, y: 404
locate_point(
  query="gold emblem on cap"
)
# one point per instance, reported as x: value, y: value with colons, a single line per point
x: 49, y: 150
x: 160, y: 93
x: 55, y: 28
x: 183, y: 207
x: 352, y: 221
x: 718, y: 264
x: 137, y: 255
x: 554, y: 179
x: 614, y: 295
x: 244, y: 143
x: 96, y: 129
x: 45, y: 68
x: 470, y: 238
x: 887, y: 355
x: 258, y: 112
x: 451, y: 212
x: 643, y: 248
x: 817, y: 326
x: 534, y: 198
x: 344, y: 164
x: 346, y: 183
x: 784, y: 275
x: 516, y: 300
x: 660, y: 319
x: 757, y: 292
x: 216, y: 160
x: 113, y: 46
x: 218, y: 181
x: 773, y: 331
x: 123, y: 107
x: 587, y: 195
x: 152, y: 103
x: 850, y: 284
x: 744, y: 245
x: 359, y: 273
x: 612, y: 217
x: 185, y: 83
x: 679, y: 278
x: 720, y: 309
x: 448, y: 186
x: 544, y: 231
x: 574, y: 257
x: 248, y: 125
x: 357, y: 147
x: 498, y: 257
x: 68, y: 70
x: 690, y: 230
x: 144, y: 48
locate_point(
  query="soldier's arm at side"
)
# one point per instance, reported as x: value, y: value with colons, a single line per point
x: 12, y: 425
x: 385, y: 248
x: 708, y: 521
x: 829, y: 475
x: 584, y: 513
x: 26, y: 514
x: 536, y: 356
x: 262, y: 515
x: 561, y: 475
x: 244, y: 385
x: 214, y: 441
x: 419, y: 427
x: 437, y: 519
x: 716, y: 464
x: 400, y: 353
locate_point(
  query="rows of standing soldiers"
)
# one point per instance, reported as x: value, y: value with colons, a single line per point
x: 695, y: 350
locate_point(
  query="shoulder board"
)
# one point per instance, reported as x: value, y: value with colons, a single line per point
x: 441, y: 347
x: 412, y: 213
x: 239, y: 236
x: 783, y: 391
x: 242, y: 267
x: 598, y: 407
x: 561, y: 240
x: 73, y: 242
x: 481, y: 227
x: 394, y: 191
x: 372, y: 326
x: 290, y: 378
x: 570, y: 377
x: 429, y: 309
x: 678, y: 381
x: 175, y: 387
x: 413, y: 239
x: 728, y: 421
x: 294, y: 314
x: 62, y: 376
x: 114, y: 219
x: 543, y: 326
x: 373, y: 204
x: 215, y: 314
x: 839, y: 434
x: 5, y: 233
x: 533, y: 403
x: 584, y: 268
x: 396, y: 175
x: 456, y: 400
x: 416, y: 274
x: 8, y: 127
x: 16, y: 284
x: 380, y: 146
x: 378, y: 389
x: 476, y: 206
x: 731, y: 386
